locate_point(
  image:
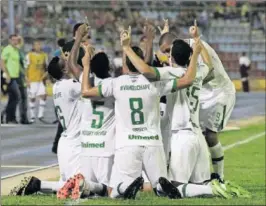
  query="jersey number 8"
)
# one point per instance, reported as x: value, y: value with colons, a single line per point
x: 137, y: 116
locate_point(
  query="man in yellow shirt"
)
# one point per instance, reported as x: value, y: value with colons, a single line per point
x: 37, y: 62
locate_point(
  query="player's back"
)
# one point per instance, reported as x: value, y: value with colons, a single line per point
x: 137, y: 111
x: 221, y: 79
x: 66, y: 95
x: 98, y: 124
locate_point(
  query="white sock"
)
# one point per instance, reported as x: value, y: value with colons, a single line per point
x: 50, y: 186
x: 159, y: 191
x: 32, y: 109
x: 94, y: 187
x: 42, y: 104
x: 119, y: 190
x: 193, y: 190
x: 217, y: 155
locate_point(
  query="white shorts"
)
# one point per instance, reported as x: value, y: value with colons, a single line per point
x: 189, y: 160
x: 166, y: 137
x: 68, y: 154
x: 130, y: 161
x: 97, y: 169
x: 36, y: 89
x: 215, y: 113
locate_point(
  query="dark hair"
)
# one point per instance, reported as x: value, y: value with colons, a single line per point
x: 61, y: 42
x: 243, y: 53
x: 139, y: 52
x: 181, y: 52
x: 54, y: 68
x: 100, y: 65
x: 167, y: 37
x: 75, y: 28
x: 12, y: 35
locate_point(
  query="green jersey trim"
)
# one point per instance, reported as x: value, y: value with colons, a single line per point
x: 158, y: 77
x: 100, y: 90
x: 174, y: 88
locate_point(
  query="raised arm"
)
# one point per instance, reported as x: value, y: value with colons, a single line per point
x: 194, y: 32
x: 149, y: 32
x: 87, y: 91
x: 73, y: 65
x: 140, y: 65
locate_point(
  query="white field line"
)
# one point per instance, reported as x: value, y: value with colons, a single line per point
x: 27, y: 171
x: 30, y: 125
x: 227, y: 147
x: 19, y: 166
x: 247, y: 140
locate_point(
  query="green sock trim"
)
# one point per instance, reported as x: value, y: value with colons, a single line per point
x: 184, y: 190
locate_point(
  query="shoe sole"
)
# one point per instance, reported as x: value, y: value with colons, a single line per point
x: 219, y: 191
x: 64, y: 192
x: 237, y: 190
x: 171, y: 191
x: 78, y: 188
x: 20, y: 189
x: 133, y: 188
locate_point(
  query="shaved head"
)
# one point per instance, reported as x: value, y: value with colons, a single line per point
x: 166, y: 38
x: 166, y: 41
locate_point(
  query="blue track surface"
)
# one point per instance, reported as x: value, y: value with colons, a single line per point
x: 31, y: 145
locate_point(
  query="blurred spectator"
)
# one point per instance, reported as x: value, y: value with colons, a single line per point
x: 37, y: 61
x: 12, y: 66
x: 60, y: 44
x: 244, y: 63
x: 219, y: 11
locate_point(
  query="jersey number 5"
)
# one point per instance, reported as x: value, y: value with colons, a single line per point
x: 194, y: 98
x: 61, y: 118
x: 95, y: 124
x: 137, y: 116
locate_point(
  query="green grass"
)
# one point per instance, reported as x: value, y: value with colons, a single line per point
x: 244, y: 164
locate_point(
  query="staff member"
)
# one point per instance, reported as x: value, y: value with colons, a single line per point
x: 12, y: 67
x: 244, y: 63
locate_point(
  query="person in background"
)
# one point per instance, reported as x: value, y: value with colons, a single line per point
x: 23, y: 104
x: 244, y: 63
x: 37, y: 62
x: 12, y: 65
x: 60, y: 43
x: 68, y: 46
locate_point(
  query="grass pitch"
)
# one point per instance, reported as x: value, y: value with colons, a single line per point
x: 244, y: 164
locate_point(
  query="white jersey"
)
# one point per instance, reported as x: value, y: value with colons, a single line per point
x: 66, y: 95
x: 221, y: 81
x: 193, y: 92
x: 137, y: 109
x: 177, y: 103
x: 98, y: 125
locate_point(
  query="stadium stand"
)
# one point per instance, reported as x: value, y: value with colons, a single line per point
x: 231, y: 29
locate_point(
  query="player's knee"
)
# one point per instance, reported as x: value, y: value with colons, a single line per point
x: 211, y: 137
